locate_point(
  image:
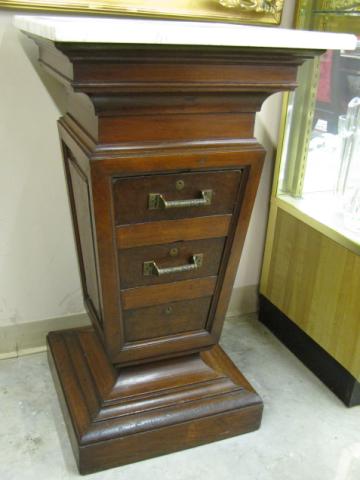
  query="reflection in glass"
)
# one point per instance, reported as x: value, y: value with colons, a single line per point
x: 348, y: 132
x: 329, y: 171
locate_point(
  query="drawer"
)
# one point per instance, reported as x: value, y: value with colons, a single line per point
x: 166, y: 319
x: 174, y: 196
x: 171, y: 262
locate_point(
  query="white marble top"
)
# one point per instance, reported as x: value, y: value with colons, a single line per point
x: 169, y: 32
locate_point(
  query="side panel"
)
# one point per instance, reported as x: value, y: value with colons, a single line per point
x: 80, y: 202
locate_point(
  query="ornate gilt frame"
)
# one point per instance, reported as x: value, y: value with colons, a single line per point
x: 235, y: 11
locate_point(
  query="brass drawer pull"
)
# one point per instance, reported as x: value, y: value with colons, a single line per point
x: 157, y: 201
x: 150, y: 268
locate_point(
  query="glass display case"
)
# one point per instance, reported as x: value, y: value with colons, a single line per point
x: 310, y: 280
x: 323, y: 178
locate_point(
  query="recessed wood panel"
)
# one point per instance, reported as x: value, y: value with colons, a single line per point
x: 81, y: 203
x: 170, y: 255
x: 131, y: 195
x: 167, y: 319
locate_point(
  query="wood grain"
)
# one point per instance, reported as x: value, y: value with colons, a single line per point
x: 165, y: 72
x: 315, y: 282
x: 135, y: 191
x: 166, y: 231
x: 168, y: 319
x: 142, y: 133
x: 140, y: 119
x: 131, y: 261
x: 164, y: 406
x: 79, y: 184
x: 176, y: 127
x: 169, y: 292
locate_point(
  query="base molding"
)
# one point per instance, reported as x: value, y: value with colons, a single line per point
x: 117, y: 416
x: 28, y: 338
x: 318, y: 360
x: 243, y: 300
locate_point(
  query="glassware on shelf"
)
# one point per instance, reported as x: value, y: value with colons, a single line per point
x: 348, y: 182
x: 351, y: 209
x: 348, y: 128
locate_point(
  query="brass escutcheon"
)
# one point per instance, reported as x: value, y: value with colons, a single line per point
x: 174, y: 252
x: 180, y: 184
x: 168, y: 310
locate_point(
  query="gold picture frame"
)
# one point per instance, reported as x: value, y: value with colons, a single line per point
x: 234, y: 11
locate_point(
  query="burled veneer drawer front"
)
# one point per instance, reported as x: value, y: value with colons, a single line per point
x: 166, y: 319
x: 170, y: 262
x: 175, y: 196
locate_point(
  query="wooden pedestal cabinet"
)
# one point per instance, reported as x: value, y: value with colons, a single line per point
x: 162, y: 171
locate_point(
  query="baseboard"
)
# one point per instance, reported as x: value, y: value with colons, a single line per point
x: 318, y: 360
x: 27, y: 338
x: 244, y: 300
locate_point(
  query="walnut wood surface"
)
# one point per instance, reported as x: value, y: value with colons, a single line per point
x: 168, y: 319
x: 135, y: 192
x: 176, y: 127
x: 148, y: 410
x: 157, y: 294
x: 166, y: 231
x: 131, y: 261
x: 152, y: 379
x: 80, y: 202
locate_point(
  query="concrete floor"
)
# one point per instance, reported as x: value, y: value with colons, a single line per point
x: 306, y: 434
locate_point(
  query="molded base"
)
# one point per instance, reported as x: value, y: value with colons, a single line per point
x: 117, y: 416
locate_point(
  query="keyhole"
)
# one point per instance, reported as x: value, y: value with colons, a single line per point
x: 168, y: 310
x: 180, y: 184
